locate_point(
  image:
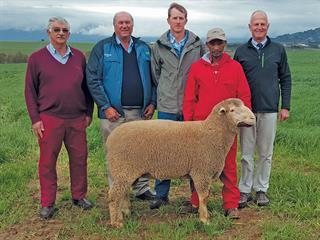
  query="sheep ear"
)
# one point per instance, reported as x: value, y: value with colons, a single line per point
x: 222, y: 110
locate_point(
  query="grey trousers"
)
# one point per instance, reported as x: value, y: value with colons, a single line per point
x: 260, y: 136
x: 142, y: 185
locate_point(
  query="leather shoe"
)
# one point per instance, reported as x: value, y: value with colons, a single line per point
x: 47, y: 212
x: 147, y: 195
x: 155, y: 204
x: 82, y: 203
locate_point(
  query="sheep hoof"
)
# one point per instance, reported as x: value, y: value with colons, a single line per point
x: 205, y: 221
x: 117, y: 224
x: 126, y: 212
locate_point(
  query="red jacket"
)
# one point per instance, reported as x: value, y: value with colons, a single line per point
x: 208, y: 84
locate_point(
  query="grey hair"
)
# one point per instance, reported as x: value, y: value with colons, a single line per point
x: 59, y: 20
x: 116, y: 15
x: 261, y: 12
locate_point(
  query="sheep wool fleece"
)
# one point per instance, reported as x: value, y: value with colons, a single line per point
x: 207, y: 85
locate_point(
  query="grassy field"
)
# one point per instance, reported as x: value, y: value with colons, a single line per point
x: 294, y: 189
x: 29, y: 47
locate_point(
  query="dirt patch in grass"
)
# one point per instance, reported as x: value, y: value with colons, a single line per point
x: 33, y: 228
x: 248, y: 227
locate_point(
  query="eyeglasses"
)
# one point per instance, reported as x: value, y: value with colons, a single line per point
x: 58, y: 30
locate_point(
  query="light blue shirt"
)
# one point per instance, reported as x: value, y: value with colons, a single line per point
x: 178, y: 46
x: 62, y: 59
x: 130, y: 44
x: 255, y: 44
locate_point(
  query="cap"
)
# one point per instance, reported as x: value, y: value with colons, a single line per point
x: 216, y: 33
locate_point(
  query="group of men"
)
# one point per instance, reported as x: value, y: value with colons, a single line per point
x: 180, y: 77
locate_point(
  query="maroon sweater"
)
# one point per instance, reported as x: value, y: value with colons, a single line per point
x: 57, y: 89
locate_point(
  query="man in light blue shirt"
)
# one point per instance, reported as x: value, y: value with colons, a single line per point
x: 119, y: 79
x: 172, y: 55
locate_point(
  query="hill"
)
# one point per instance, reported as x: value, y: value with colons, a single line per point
x: 41, y: 35
x: 307, y: 38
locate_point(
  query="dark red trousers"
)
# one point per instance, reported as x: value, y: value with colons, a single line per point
x: 230, y: 190
x: 71, y: 132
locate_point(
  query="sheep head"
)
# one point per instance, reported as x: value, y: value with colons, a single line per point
x: 234, y: 112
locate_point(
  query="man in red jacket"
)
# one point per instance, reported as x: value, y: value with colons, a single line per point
x: 60, y: 108
x: 213, y: 78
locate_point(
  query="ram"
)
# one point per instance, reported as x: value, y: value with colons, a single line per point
x: 165, y: 149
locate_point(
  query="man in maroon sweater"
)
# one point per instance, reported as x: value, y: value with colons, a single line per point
x: 60, y: 108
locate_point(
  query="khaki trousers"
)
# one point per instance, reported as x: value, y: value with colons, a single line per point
x: 260, y: 137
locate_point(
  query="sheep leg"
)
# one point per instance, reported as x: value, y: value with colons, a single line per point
x: 114, y: 214
x: 117, y: 195
x: 126, y: 205
x: 203, y: 211
x: 202, y: 187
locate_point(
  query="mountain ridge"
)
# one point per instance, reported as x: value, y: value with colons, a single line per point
x: 309, y: 38
x: 306, y: 38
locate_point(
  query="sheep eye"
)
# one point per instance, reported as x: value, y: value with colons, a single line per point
x: 231, y: 110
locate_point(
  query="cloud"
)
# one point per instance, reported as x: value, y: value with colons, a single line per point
x: 95, y: 16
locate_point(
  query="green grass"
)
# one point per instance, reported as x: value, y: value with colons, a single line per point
x: 28, y: 47
x: 294, y: 189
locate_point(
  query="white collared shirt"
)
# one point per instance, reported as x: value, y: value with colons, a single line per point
x: 62, y: 59
x: 255, y: 43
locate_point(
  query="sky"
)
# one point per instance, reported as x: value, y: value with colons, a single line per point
x: 95, y: 16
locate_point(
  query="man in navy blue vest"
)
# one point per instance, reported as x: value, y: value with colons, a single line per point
x: 119, y: 79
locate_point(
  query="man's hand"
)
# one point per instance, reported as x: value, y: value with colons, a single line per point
x: 38, y: 129
x: 148, y: 112
x: 111, y: 114
x: 283, y: 115
x: 88, y: 121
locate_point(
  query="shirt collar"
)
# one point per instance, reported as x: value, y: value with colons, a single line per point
x: 54, y: 51
x: 173, y: 40
x: 130, y: 44
x: 255, y: 43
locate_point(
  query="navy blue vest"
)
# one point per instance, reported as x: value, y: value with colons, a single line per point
x: 132, y: 89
